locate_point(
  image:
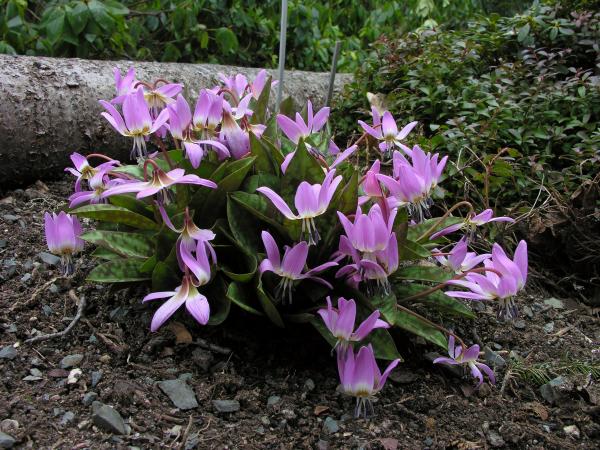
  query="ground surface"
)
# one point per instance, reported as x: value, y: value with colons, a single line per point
x: 283, y: 388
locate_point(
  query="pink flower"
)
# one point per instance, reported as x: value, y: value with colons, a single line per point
x: 84, y: 171
x: 62, y: 237
x: 460, y: 259
x: 208, y: 112
x: 237, y: 139
x: 160, y: 180
x: 195, y: 303
x: 370, y: 232
x: 291, y: 267
x: 468, y: 358
x: 388, y: 133
x: 136, y: 121
x: 311, y: 201
x: 297, y: 129
x: 360, y: 377
x: 471, y: 223
x: 98, y: 184
x: 123, y: 85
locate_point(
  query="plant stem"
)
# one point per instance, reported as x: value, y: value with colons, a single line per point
x: 445, y: 216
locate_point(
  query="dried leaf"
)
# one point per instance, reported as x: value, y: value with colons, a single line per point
x: 389, y: 443
x: 319, y: 409
x: 182, y: 335
x: 539, y: 409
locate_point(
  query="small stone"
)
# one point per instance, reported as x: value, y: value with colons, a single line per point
x: 74, y: 376
x: 330, y: 425
x: 8, y: 425
x: 96, y: 405
x: 265, y: 420
x: 25, y: 278
x: 572, y: 431
x: 186, y: 376
x: 47, y: 310
x: 58, y: 373
x: 428, y: 442
x: 519, y: 324
x: 105, y: 359
x: 226, y: 406
x: 89, y: 398
x: 36, y: 372
x: 496, y: 346
x: 554, y: 303
x: 6, y: 440
x: 53, y: 288
x: 493, y: 358
x: 553, y: 391
x: 322, y: 445
x: 70, y: 361
x: 32, y: 378
x: 109, y: 419
x: 549, y: 327
x: 528, y: 311
x: 10, y: 218
x: 96, y: 377
x: 3, y: 243
x: 273, y: 400
x: 49, y: 258
x: 67, y: 418
x: 403, y: 377
x: 180, y: 393
x: 495, y: 439
x: 203, y: 359
x: 288, y: 414
x: 8, y: 352
x: 309, y: 385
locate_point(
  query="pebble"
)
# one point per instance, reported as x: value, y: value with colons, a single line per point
x: 47, y: 310
x: 551, y: 391
x: 35, y: 372
x: 89, y: 398
x: 288, y: 414
x: 309, y: 385
x: 493, y: 358
x: 528, y: 311
x: 96, y: 377
x: 8, y: 352
x: 180, y: 393
x: 32, y: 378
x: 10, y: 217
x: 9, y: 425
x: 67, y: 418
x: 226, y: 406
x: 3, y: 243
x: 25, y: 278
x: 554, y: 303
x: 71, y: 361
x: 403, y: 377
x: 495, y: 439
x: 203, y: 359
x: 549, y: 327
x: 74, y: 376
x: 53, y: 288
x: 273, y: 400
x: 109, y: 419
x: 6, y: 440
x: 330, y: 425
x: 49, y: 258
x: 519, y: 324
x: 572, y: 431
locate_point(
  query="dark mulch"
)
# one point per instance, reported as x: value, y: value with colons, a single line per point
x: 285, y: 384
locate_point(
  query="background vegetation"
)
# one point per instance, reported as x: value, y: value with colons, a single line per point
x: 244, y: 32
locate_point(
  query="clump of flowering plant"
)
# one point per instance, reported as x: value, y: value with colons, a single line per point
x: 204, y: 216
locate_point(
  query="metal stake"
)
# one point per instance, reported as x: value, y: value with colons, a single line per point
x: 282, y: 38
x: 336, y: 54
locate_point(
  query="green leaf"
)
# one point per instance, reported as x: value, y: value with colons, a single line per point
x: 409, y: 250
x: 259, y: 115
x: 436, y: 300
x: 268, y: 306
x: 132, y: 204
x: 55, y: 24
x: 268, y: 157
x: 226, y: 40
x: 164, y: 278
x: 416, y: 231
x: 134, y: 245
x: 118, y: 271
x: 259, y: 207
x: 103, y: 253
x: 238, y: 294
x: 78, y: 17
x: 101, y: 15
x: 523, y: 32
x: 115, y: 214
x: 432, y: 274
x: 243, y: 227
x: 220, y: 303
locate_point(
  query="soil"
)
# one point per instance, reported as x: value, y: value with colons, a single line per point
x: 285, y: 383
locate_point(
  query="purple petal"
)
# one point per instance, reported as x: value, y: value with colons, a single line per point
x: 295, y: 259
x: 197, y: 305
x: 277, y: 201
x: 271, y: 248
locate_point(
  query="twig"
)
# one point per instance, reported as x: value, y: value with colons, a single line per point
x: 186, y: 432
x: 80, y: 307
x: 116, y: 348
x: 212, y: 347
x: 35, y: 294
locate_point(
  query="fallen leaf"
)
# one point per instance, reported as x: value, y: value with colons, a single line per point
x: 58, y: 373
x: 182, y: 335
x: 319, y: 409
x: 389, y: 443
x: 539, y: 409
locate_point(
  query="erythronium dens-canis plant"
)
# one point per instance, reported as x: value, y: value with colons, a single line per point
x: 202, y: 215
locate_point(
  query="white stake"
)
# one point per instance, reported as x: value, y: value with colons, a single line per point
x: 282, y: 38
x: 336, y: 54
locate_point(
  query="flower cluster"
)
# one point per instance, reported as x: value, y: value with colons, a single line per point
x: 230, y: 204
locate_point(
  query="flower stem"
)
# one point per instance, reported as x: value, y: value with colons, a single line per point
x: 445, y: 216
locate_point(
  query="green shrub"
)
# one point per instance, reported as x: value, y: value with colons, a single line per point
x: 228, y: 32
x: 515, y: 101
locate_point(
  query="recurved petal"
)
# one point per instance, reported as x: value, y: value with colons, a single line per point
x: 197, y: 305
x: 277, y: 201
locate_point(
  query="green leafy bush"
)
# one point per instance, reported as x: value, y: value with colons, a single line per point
x: 515, y: 101
x: 234, y: 32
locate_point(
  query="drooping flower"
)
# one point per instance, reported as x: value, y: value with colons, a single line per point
x: 340, y: 322
x: 340, y: 156
x: 311, y: 201
x: 62, y: 237
x: 297, y: 129
x: 388, y: 132
x: 371, y: 185
x: 257, y: 86
x: 98, y: 185
x: 84, y: 171
x: 413, y: 182
x: 237, y: 139
x: 160, y: 180
x: 159, y: 97
x: 471, y: 222
x: 195, y: 303
x: 460, y: 259
x: 236, y: 84
x: 291, y: 267
x: 370, y: 232
x: 505, y: 279
x: 360, y: 377
x: 180, y: 126
x: 467, y: 357
x: 123, y: 85
x: 136, y: 121
x: 208, y: 113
